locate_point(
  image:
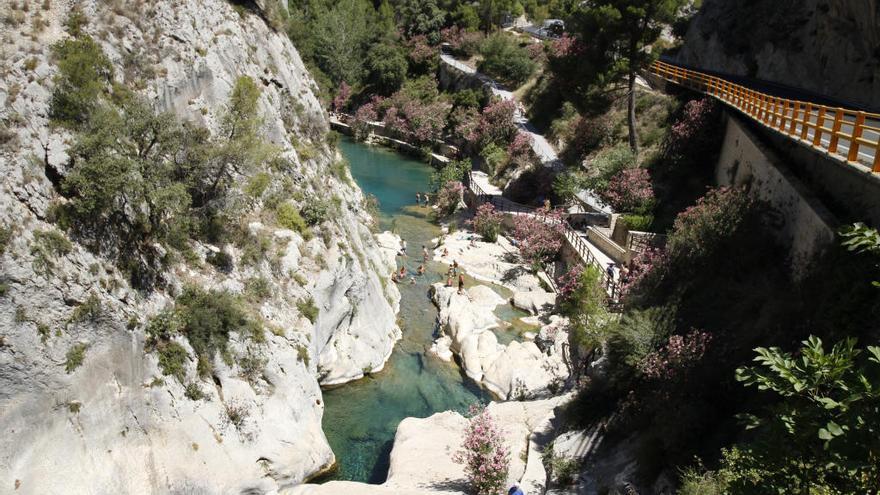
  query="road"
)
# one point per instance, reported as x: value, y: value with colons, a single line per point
x: 871, y: 133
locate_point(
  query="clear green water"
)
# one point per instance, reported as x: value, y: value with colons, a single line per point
x: 360, y: 418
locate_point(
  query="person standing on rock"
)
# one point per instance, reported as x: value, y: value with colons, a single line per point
x: 449, y: 281
x: 419, y: 199
x: 403, y: 247
x: 460, y: 283
x: 424, y: 253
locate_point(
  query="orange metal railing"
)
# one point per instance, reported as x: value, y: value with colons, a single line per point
x: 851, y: 135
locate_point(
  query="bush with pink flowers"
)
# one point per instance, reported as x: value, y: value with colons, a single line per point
x: 485, y: 457
x: 630, y: 191
x: 698, y: 230
x: 519, y: 151
x: 487, y: 222
x: 497, y: 123
x: 539, y: 236
x: 448, y: 198
x: 342, y: 98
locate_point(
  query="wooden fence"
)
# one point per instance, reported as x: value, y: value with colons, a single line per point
x: 851, y: 135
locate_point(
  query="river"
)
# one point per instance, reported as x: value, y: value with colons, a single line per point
x: 360, y: 418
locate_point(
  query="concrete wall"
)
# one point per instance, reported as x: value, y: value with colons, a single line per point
x: 801, y: 220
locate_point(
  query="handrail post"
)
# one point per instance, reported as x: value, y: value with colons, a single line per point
x: 835, y: 130
x: 820, y: 122
x: 876, y: 167
x: 805, y: 129
x: 792, y: 128
x: 785, y: 107
x: 858, y: 127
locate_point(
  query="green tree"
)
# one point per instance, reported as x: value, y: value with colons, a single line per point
x: 84, y: 73
x: 243, y: 146
x: 862, y: 239
x: 387, y: 65
x: 421, y: 17
x: 504, y: 60
x: 823, y: 435
x: 626, y: 29
x: 466, y: 17
x: 335, y: 37
x: 125, y: 173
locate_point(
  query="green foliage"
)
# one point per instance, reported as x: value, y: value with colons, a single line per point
x: 339, y: 169
x: 84, y: 73
x: 421, y: 17
x: 387, y: 67
x: 316, y: 212
x: 505, y: 61
x: 252, y: 366
x: 862, y: 239
x: 258, y: 289
x: 75, y: 357
x: 607, y: 164
x: 220, y: 260
x: 494, y: 157
x: 5, y: 237
x: 639, y: 223
x: 193, y: 391
x: 454, y: 171
x: 46, y: 247
x: 205, y: 318
x: 257, y: 184
x: 172, y: 360
x: 824, y: 431
x: 302, y: 354
x: 335, y: 37
x: 307, y: 308
x: 89, y: 310
x: 288, y: 217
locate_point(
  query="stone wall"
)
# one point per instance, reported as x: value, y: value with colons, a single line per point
x: 801, y: 220
x: 827, y: 47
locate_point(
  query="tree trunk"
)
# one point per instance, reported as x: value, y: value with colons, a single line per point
x: 631, y: 114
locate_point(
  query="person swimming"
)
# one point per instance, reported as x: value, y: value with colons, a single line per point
x: 421, y: 270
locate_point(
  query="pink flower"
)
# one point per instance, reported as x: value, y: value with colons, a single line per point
x: 630, y: 191
x: 539, y: 236
x: 485, y: 457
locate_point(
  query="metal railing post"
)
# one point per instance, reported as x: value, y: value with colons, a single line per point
x: 835, y: 131
x: 820, y: 123
x: 858, y: 127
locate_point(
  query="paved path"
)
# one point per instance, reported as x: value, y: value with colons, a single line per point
x: 541, y: 147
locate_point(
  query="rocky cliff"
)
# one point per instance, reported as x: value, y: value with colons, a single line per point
x: 828, y: 47
x: 84, y: 404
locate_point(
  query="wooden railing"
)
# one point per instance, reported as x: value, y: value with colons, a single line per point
x: 575, y: 240
x: 851, y: 135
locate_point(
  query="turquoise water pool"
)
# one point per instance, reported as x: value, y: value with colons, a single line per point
x: 360, y: 418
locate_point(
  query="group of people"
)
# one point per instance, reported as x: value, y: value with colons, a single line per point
x: 399, y: 276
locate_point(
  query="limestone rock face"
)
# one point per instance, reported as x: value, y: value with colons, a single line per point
x: 831, y: 48
x: 421, y: 460
x: 115, y: 424
x: 519, y: 370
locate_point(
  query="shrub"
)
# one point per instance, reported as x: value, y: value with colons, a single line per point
x: 257, y: 184
x: 699, y: 230
x: 539, y: 236
x: 448, y: 198
x: 339, y: 169
x: 639, y: 223
x: 519, y: 151
x: 237, y: 414
x: 454, y: 171
x: 316, y: 211
x: 89, y: 310
x: 47, y: 245
x: 289, y: 218
x: 606, y: 165
x: 497, y: 124
x: 75, y: 357
x: 172, y: 360
x: 307, y: 308
x: 220, y: 260
x: 258, y: 289
x: 494, y: 157
x: 252, y: 366
x: 485, y: 457
x: 487, y: 222
x: 630, y: 190
x: 504, y: 60
x: 193, y: 391
x: 585, y: 136
x: 84, y: 73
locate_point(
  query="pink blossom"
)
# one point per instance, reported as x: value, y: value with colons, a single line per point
x: 630, y: 190
x: 485, y: 457
x: 343, y: 95
x: 539, y: 236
